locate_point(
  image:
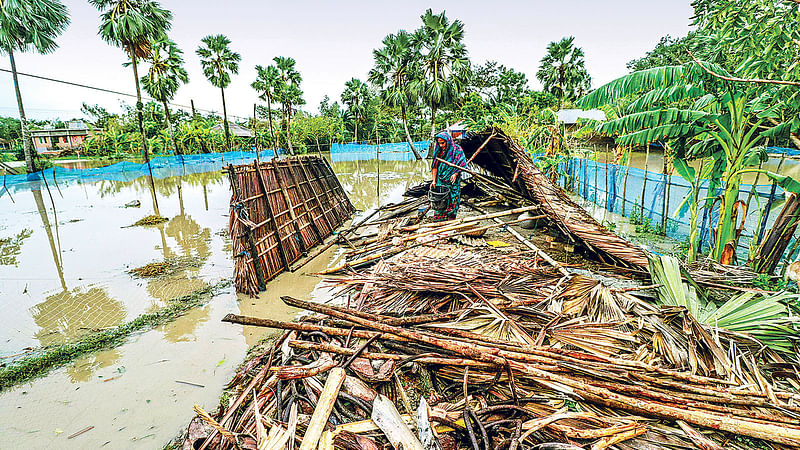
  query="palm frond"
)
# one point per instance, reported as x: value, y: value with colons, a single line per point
x: 663, y: 96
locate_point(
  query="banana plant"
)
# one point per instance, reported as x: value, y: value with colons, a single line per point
x: 699, y: 116
x: 692, y: 199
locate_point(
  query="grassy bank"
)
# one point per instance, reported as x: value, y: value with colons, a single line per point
x: 48, y: 358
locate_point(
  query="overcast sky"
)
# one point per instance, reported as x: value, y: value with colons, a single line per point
x: 332, y: 42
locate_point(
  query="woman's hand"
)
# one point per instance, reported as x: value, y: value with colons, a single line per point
x: 453, y: 178
x: 433, y: 184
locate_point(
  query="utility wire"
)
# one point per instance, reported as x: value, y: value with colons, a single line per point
x: 110, y: 91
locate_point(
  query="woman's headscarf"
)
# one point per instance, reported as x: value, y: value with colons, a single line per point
x: 452, y: 154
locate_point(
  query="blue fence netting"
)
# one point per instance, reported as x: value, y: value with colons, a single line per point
x: 608, y: 186
x: 395, y: 151
x: 783, y: 151
x: 162, y: 167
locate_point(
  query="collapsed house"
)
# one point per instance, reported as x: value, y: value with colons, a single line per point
x: 446, y: 336
x: 279, y: 210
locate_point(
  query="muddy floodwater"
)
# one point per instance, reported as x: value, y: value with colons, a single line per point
x: 65, y: 256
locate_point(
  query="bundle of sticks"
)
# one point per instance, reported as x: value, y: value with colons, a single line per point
x: 579, y: 365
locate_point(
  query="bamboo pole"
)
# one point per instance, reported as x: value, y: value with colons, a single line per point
x: 541, y: 253
x: 762, y: 227
x: 605, y: 209
x: 644, y: 183
x: 472, y: 172
x: 483, y: 216
x: 665, y: 199
x: 323, y: 408
x: 481, y: 147
x: 625, y: 181
x: 596, y: 169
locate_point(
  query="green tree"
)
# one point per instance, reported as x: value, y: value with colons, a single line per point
x: 29, y: 25
x: 668, y: 52
x: 219, y: 62
x: 355, y: 96
x: 164, y: 77
x: 133, y: 25
x: 444, y: 64
x: 562, y: 71
x: 289, y: 93
x: 393, y: 72
x: 268, y: 82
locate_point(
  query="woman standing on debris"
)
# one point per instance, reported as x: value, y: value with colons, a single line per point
x: 447, y: 175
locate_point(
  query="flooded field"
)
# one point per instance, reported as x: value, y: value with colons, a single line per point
x: 65, y: 256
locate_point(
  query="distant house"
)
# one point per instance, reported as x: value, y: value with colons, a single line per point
x: 235, y: 129
x: 53, y: 140
x: 457, y: 129
x: 569, y: 117
x: 5, y: 144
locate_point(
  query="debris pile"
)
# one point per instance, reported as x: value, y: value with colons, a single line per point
x: 481, y: 350
x: 443, y: 336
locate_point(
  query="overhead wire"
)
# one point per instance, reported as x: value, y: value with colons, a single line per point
x: 111, y: 91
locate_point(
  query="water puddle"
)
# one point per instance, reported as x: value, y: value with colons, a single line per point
x: 65, y: 257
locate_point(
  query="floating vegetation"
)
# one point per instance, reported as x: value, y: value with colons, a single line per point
x: 42, y: 361
x: 150, y: 220
x: 166, y: 267
x: 150, y: 270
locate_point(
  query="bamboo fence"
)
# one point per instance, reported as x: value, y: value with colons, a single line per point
x: 279, y: 210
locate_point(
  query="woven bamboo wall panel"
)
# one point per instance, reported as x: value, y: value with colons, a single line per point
x: 279, y: 210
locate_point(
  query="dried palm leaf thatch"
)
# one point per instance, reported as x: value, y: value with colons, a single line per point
x: 505, y: 158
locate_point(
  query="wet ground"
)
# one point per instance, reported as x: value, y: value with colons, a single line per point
x: 65, y: 254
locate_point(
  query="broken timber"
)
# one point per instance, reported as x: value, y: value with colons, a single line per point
x: 504, y: 157
x: 280, y: 210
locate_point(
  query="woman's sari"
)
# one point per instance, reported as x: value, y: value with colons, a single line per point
x: 455, y: 155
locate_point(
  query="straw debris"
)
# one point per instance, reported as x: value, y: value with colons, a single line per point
x: 150, y: 221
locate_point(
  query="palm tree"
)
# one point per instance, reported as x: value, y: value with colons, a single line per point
x: 26, y: 25
x: 444, y: 62
x: 289, y: 92
x: 562, y: 71
x: 166, y: 74
x: 393, y: 73
x: 267, y: 83
x: 355, y: 96
x: 133, y: 25
x: 219, y: 62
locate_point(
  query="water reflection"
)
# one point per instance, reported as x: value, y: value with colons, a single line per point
x: 84, y: 367
x: 360, y: 180
x: 54, y: 248
x: 185, y: 330
x: 70, y: 314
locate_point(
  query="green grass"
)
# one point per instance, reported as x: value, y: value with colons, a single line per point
x: 48, y: 358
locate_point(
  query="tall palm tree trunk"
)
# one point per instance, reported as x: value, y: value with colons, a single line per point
x: 408, y: 135
x: 169, y: 127
x: 432, y: 144
x: 26, y: 136
x: 225, y: 120
x: 289, y: 128
x: 269, y: 116
x: 139, y: 109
